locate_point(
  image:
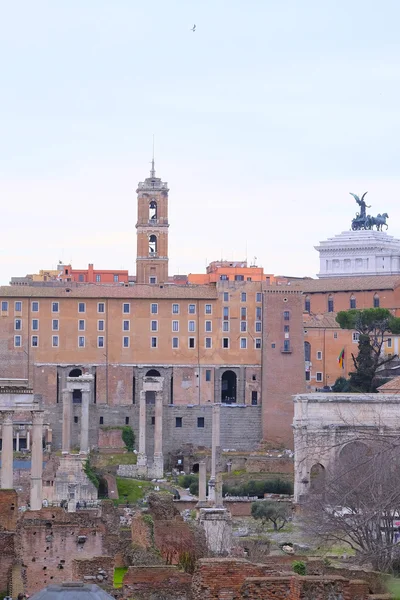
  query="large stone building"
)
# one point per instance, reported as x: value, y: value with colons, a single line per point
x: 236, y: 340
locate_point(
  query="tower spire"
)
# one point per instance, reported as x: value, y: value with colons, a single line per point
x: 152, y: 171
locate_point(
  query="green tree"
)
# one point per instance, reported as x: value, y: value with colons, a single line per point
x: 373, y: 326
x: 276, y: 512
x: 128, y: 437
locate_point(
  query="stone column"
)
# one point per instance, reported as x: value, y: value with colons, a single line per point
x: 66, y: 421
x: 7, y: 451
x: 17, y: 442
x: 202, y: 485
x: 37, y: 460
x: 216, y: 413
x: 142, y: 458
x: 84, y: 444
x: 218, y: 503
x: 158, y: 463
x: 28, y: 439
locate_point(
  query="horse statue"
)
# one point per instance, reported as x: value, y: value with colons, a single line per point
x: 379, y: 221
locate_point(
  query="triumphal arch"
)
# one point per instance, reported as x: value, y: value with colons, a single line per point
x: 326, y: 425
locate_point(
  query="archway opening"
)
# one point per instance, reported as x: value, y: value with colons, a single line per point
x: 153, y: 373
x: 152, y: 210
x: 228, y: 387
x: 152, y: 244
x: 75, y: 373
x: 317, y: 478
x: 103, y: 488
x: 77, y: 396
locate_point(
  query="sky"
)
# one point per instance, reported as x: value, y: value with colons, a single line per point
x: 264, y: 118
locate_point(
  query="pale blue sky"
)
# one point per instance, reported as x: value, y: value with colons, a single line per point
x: 265, y: 119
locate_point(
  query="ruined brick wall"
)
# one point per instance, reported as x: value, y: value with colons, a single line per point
x: 110, y: 438
x: 165, y: 582
x: 172, y: 538
x: 267, y: 464
x: 99, y: 570
x: 141, y: 534
x: 7, y: 557
x: 8, y: 510
x: 265, y: 588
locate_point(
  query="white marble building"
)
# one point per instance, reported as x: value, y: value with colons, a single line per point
x: 363, y: 252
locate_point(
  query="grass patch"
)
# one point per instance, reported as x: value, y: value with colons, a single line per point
x: 132, y: 490
x: 112, y: 460
x: 119, y: 573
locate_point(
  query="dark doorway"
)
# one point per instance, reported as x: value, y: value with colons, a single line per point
x: 228, y: 387
x: 75, y: 373
x: 150, y: 397
x: 103, y: 488
x: 152, y: 373
x: 171, y: 395
x: 77, y: 397
x: 195, y: 468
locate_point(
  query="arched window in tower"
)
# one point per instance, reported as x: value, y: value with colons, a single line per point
x: 353, y: 303
x: 376, y: 301
x: 153, y: 244
x: 153, y: 210
x: 330, y: 303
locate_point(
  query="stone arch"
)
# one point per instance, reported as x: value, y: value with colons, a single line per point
x: 152, y: 244
x: 153, y: 373
x: 152, y: 210
x: 229, y: 387
x: 75, y: 372
x: 317, y: 477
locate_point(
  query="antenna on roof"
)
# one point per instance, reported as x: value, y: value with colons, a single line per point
x: 153, y: 171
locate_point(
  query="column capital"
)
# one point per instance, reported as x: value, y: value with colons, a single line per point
x: 7, y: 417
x: 37, y: 417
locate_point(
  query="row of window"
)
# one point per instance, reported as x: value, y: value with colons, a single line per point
x: 55, y: 342
x: 331, y: 305
x: 318, y: 376
x: 243, y: 296
x: 126, y: 325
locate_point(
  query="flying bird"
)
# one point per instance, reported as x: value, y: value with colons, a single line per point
x: 193, y: 28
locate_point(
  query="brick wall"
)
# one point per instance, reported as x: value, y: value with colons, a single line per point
x: 8, y: 510
x: 7, y: 554
x: 166, y: 582
x: 172, y: 538
x: 99, y: 570
x: 110, y: 438
x: 141, y: 535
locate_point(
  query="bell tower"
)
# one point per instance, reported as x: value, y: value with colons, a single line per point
x: 152, y: 230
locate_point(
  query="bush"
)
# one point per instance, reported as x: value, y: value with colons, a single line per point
x: 299, y: 567
x: 128, y: 437
x: 194, y: 488
x: 91, y: 473
x: 186, y: 480
x: 259, y: 488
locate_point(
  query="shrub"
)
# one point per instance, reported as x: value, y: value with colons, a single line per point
x: 91, y: 473
x: 194, y: 487
x: 128, y: 437
x: 186, y: 480
x: 259, y: 488
x: 299, y: 567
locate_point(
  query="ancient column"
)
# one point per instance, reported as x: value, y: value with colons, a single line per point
x: 17, y: 442
x: 28, y: 439
x: 37, y: 460
x: 66, y: 421
x: 218, y: 503
x: 142, y: 458
x: 158, y: 463
x: 7, y: 451
x: 84, y: 444
x: 216, y: 412
x: 202, y: 485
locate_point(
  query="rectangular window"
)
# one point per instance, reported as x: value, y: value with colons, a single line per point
x: 192, y: 309
x: 226, y: 296
x: 257, y: 343
x: 175, y: 325
x: 81, y: 341
x: 126, y: 308
x: 55, y: 307
x: 319, y: 355
x: 154, y: 325
x: 307, y: 305
x: 35, y: 324
x: 54, y: 324
x: 258, y: 313
x: 125, y: 341
x: 225, y: 342
x: 175, y: 342
x: 191, y: 326
x: 208, y: 309
x: 116, y: 278
x: 335, y: 335
x: 152, y: 279
x: 35, y: 341
x: 98, y: 278
x: 125, y: 325
x: 243, y: 343
x: 153, y: 342
x: 286, y: 346
x: 208, y: 343
x: 54, y: 341
x: 100, y: 341
x: 81, y: 277
x: 243, y: 313
x: 389, y: 343
x: 208, y: 325
x: 208, y: 374
x: 17, y: 341
x: 18, y: 306
x: 286, y: 328
x: 308, y: 375
x: 243, y: 297
x: 376, y: 301
x: 319, y: 376
x: 258, y: 326
x: 200, y: 421
x: 18, y: 324
x: 100, y: 325
x: 81, y: 325
x: 330, y: 306
x: 76, y: 419
x: 258, y: 297
x: 226, y: 313
x: 81, y: 307
x: 154, y: 309
x: 126, y: 420
x: 35, y: 306
x: 4, y: 306
x: 286, y: 315
x: 178, y: 421
x: 100, y: 307
x: 356, y: 336
x: 192, y: 343
x: 254, y: 397
x: 101, y: 420
x: 239, y: 277
x: 224, y: 277
x: 175, y: 309
x: 225, y: 326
